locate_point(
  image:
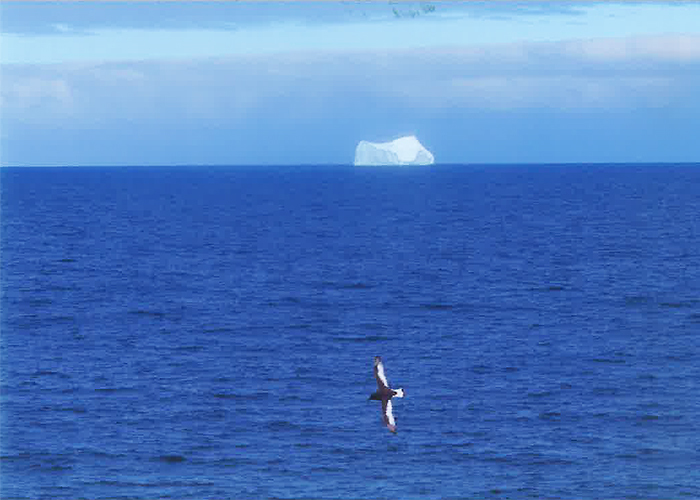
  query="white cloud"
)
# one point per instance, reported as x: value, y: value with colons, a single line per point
x: 37, y: 96
x: 574, y: 93
x: 669, y: 48
x: 594, y: 75
x: 181, y: 36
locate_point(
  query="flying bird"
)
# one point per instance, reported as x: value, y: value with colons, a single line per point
x: 384, y: 394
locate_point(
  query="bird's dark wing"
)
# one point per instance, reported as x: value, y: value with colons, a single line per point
x: 382, y: 382
x: 388, y: 415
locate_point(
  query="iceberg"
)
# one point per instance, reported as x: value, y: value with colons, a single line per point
x: 402, y: 151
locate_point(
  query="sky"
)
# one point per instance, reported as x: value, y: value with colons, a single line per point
x: 288, y: 83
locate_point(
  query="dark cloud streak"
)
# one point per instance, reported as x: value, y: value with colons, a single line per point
x: 42, y: 18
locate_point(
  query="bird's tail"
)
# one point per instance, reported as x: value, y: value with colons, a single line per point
x: 398, y: 393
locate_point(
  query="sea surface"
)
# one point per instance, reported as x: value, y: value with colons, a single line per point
x: 209, y: 333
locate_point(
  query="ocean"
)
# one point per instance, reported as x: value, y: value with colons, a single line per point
x: 209, y: 332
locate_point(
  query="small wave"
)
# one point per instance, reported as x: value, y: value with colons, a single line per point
x: 146, y: 312
x: 171, y: 459
x: 634, y: 300
x: 67, y: 260
x: 465, y: 444
x: 368, y: 338
x: 305, y: 445
x: 115, y: 390
x: 687, y: 356
x: 158, y: 484
x: 291, y: 299
x: 256, y: 396
x: 77, y: 410
x: 40, y: 302
x: 19, y: 456
x: 104, y: 454
x: 281, y: 425
x: 523, y: 416
x: 355, y: 286
x: 606, y: 391
x: 206, y: 446
x: 189, y: 348
x: 550, y: 415
x: 49, y: 373
x: 300, y: 326
x: 60, y: 319
x: 548, y: 288
x: 456, y: 434
x: 372, y: 326
x: 218, y: 329
x: 326, y: 468
x: 220, y: 395
x: 291, y: 397
x: 481, y: 369
x: 233, y: 462
x: 437, y: 307
x: 540, y: 394
x: 614, y: 361
x: 682, y: 304
x: 337, y: 450
x: 59, y: 468
x: 54, y: 463
x: 545, y: 461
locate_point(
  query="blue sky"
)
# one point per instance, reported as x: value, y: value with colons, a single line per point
x: 143, y: 83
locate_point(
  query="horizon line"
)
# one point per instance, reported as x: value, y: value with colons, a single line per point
x: 401, y: 167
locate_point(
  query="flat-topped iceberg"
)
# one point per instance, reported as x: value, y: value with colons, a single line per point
x: 402, y: 151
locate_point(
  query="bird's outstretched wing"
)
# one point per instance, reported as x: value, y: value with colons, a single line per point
x: 382, y: 382
x: 388, y: 415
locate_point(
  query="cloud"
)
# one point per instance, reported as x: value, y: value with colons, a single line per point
x: 668, y: 48
x: 582, y: 74
x: 566, y: 93
x: 596, y: 74
x: 37, y: 96
x: 86, y: 17
x: 233, y: 103
x: 118, y: 32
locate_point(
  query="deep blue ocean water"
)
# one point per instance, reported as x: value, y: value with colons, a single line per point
x: 202, y: 333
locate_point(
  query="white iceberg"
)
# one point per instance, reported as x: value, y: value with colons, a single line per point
x: 402, y: 151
